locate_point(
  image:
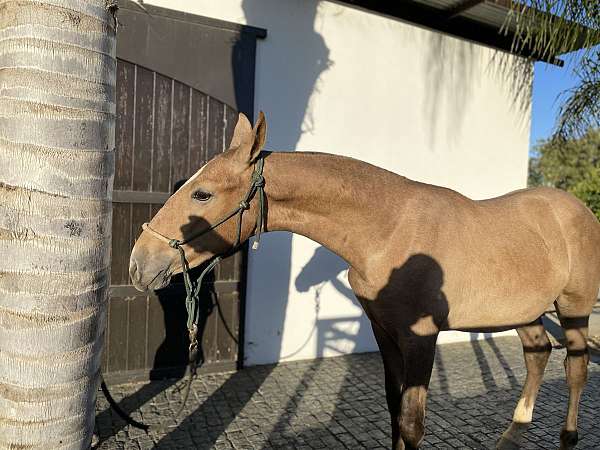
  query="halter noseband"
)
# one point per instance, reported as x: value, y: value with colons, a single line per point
x: 193, y: 289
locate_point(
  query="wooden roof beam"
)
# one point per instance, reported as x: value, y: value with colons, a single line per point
x: 461, y: 7
x: 460, y: 26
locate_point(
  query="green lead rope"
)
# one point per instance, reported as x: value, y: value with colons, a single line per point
x: 258, y: 181
x: 192, y: 298
x: 192, y: 289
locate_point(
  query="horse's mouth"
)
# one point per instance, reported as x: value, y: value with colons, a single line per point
x: 160, y: 280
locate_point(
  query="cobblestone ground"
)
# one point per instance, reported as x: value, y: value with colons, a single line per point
x: 340, y: 403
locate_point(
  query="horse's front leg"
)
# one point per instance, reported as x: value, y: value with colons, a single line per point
x: 419, y: 353
x: 393, y: 364
x: 408, y: 366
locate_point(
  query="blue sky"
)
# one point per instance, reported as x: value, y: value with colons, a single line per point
x: 548, y: 83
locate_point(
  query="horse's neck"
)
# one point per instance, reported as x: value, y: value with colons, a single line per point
x: 344, y: 204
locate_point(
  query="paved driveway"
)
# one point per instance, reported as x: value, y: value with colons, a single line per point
x: 340, y: 403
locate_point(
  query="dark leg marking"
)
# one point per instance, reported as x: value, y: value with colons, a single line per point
x: 576, y: 362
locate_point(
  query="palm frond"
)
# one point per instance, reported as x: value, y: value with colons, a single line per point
x: 580, y: 106
x: 548, y: 28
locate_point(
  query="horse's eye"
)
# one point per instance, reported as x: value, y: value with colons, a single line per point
x: 201, y: 196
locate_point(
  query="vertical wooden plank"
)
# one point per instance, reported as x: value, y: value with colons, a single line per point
x: 180, y: 132
x: 215, y: 143
x: 142, y: 148
x: 209, y: 338
x: 140, y: 213
x: 120, y: 243
x: 233, y: 273
x: 124, y: 124
x: 227, y: 267
x: 162, y: 135
x: 226, y: 328
x: 235, y: 320
x: 173, y: 350
x: 198, y: 135
x: 231, y: 116
x: 156, y: 331
x: 117, y: 359
x: 136, y: 332
x: 137, y: 306
x: 238, y: 264
x: 216, y: 125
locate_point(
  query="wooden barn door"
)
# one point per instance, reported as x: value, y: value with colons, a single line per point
x: 181, y: 81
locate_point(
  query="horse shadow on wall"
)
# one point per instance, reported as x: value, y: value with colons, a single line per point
x: 341, y: 334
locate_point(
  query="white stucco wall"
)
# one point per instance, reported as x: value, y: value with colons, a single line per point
x: 341, y: 80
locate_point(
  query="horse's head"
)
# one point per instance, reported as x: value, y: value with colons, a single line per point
x: 213, y: 192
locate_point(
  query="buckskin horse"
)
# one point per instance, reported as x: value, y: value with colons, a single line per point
x: 422, y: 259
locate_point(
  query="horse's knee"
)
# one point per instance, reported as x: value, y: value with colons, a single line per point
x: 412, y: 431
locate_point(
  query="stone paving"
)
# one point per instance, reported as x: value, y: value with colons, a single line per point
x: 340, y: 403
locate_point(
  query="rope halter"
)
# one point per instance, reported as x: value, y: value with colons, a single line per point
x: 257, y: 184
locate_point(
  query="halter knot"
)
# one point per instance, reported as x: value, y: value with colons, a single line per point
x: 174, y: 243
x: 244, y: 204
x: 193, y: 331
x: 258, y: 180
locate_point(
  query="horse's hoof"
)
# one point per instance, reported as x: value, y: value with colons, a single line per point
x: 505, y: 443
x: 568, y: 439
x: 512, y: 437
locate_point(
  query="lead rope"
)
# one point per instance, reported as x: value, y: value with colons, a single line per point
x: 193, y: 292
x: 114, y: 405
x: 191, y: 304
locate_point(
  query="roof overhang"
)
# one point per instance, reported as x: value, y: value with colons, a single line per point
x: 481, y: 21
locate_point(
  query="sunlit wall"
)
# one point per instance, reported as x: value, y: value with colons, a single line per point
x: 341, y: 80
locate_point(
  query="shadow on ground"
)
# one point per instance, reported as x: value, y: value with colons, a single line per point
x: 340, y: 403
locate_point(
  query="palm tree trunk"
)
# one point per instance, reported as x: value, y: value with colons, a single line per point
x: 57, y: 116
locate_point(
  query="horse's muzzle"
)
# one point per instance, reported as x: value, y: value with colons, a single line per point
x: 146, y: 276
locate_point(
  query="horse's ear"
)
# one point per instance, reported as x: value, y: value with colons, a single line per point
x: 243, y: 133
x: 260, y: 136
x: 247, y: 142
